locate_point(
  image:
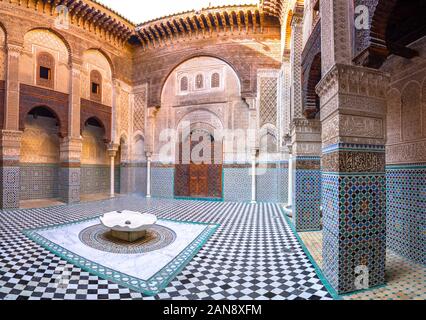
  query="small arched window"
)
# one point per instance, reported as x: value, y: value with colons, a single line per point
x: 95, y: 86
x: 215, y: 81
x: 184, y: 84
x: 199, y: 81
x: 268, y: 143
x: 45, y: 70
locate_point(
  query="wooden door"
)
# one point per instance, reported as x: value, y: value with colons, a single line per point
x: 199, y: 180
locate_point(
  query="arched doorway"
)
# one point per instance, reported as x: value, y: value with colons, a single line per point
x: 40, y: 150
x: 202, y: 93
x: 198, y: 170
x: 95, y: 170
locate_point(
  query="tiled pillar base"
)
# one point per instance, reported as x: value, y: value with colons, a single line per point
x: 354, y: 218
x: 70, y: 184
x: 70, y: 170
x: 307, y: 193
x: 126, y: 178
x: 283, y: 182
x: 353, y: 108
x: 10, y: 142
x: 306, y: 175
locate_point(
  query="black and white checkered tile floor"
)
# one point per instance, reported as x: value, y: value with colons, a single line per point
x: 253, y: 255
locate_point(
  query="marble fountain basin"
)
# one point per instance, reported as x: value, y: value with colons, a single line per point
x: 128, y: 225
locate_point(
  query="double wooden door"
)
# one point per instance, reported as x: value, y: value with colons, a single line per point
x: 199, y: 179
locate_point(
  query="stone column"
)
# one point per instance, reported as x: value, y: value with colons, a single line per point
x: 353, y: 107
x: 148, y: 174
x: 306, y: 176
x: 12, y: 87
x: 10, y: 147
x: 296, y: 68
x: 10, y: 137
x: 112, y: 152
x: 126, y: 177
x: 290, y: 178
x: 69, y: 172
x: 71, y: 146
x: 253, y: 176
x: 285, y: 109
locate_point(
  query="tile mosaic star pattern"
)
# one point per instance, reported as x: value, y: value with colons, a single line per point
x: 406, y: 209
x: 307, y: 200
x: 252, y: 255
x: 358, y: 235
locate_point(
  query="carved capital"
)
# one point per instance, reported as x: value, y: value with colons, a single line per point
x: 14, y: 50
x: 70, y: 149
x: 10, y: 144
x: 349, y: 79
x: 112, y: 149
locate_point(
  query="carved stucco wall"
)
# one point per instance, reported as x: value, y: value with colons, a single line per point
x: 40, y: 141
x: 269, y: 113
x: 406, y: 155
x: 95, y: 60
x: 124, y: 115
x: 94, y: 150
x: 206, y: 105
x: 35, y: 42
x: 39, y: 159
x: 140, y: 97
x: 406, y: 115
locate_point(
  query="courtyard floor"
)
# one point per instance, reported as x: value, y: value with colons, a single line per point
x: 405, y: 280
x: 252, y: 255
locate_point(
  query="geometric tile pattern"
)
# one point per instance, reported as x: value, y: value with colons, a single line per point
x: 406, y: 211
x: 283, y: 183
x: 237, y: 184
x: 307, y: 199
x: 162, y: 182
x: 271, y: 185
x: 139, y: 173
x: 354, y: 228
x: 69, y: 184
x: 96, y: 179
x: 39, y: 181
x: 267, y: 185
x: 236, y: 263
x: 9, y: 183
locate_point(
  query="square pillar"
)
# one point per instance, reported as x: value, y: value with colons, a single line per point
x: 353, y: 106
x: 126, y: 170
x: 306, y: 167
x: 112, y: 152
x: 69, y: 171
x: 10, y: 148
x: 126, y: 177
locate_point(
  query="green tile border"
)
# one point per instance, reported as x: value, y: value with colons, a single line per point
x: 318, y: 270
x: 150, y: 287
